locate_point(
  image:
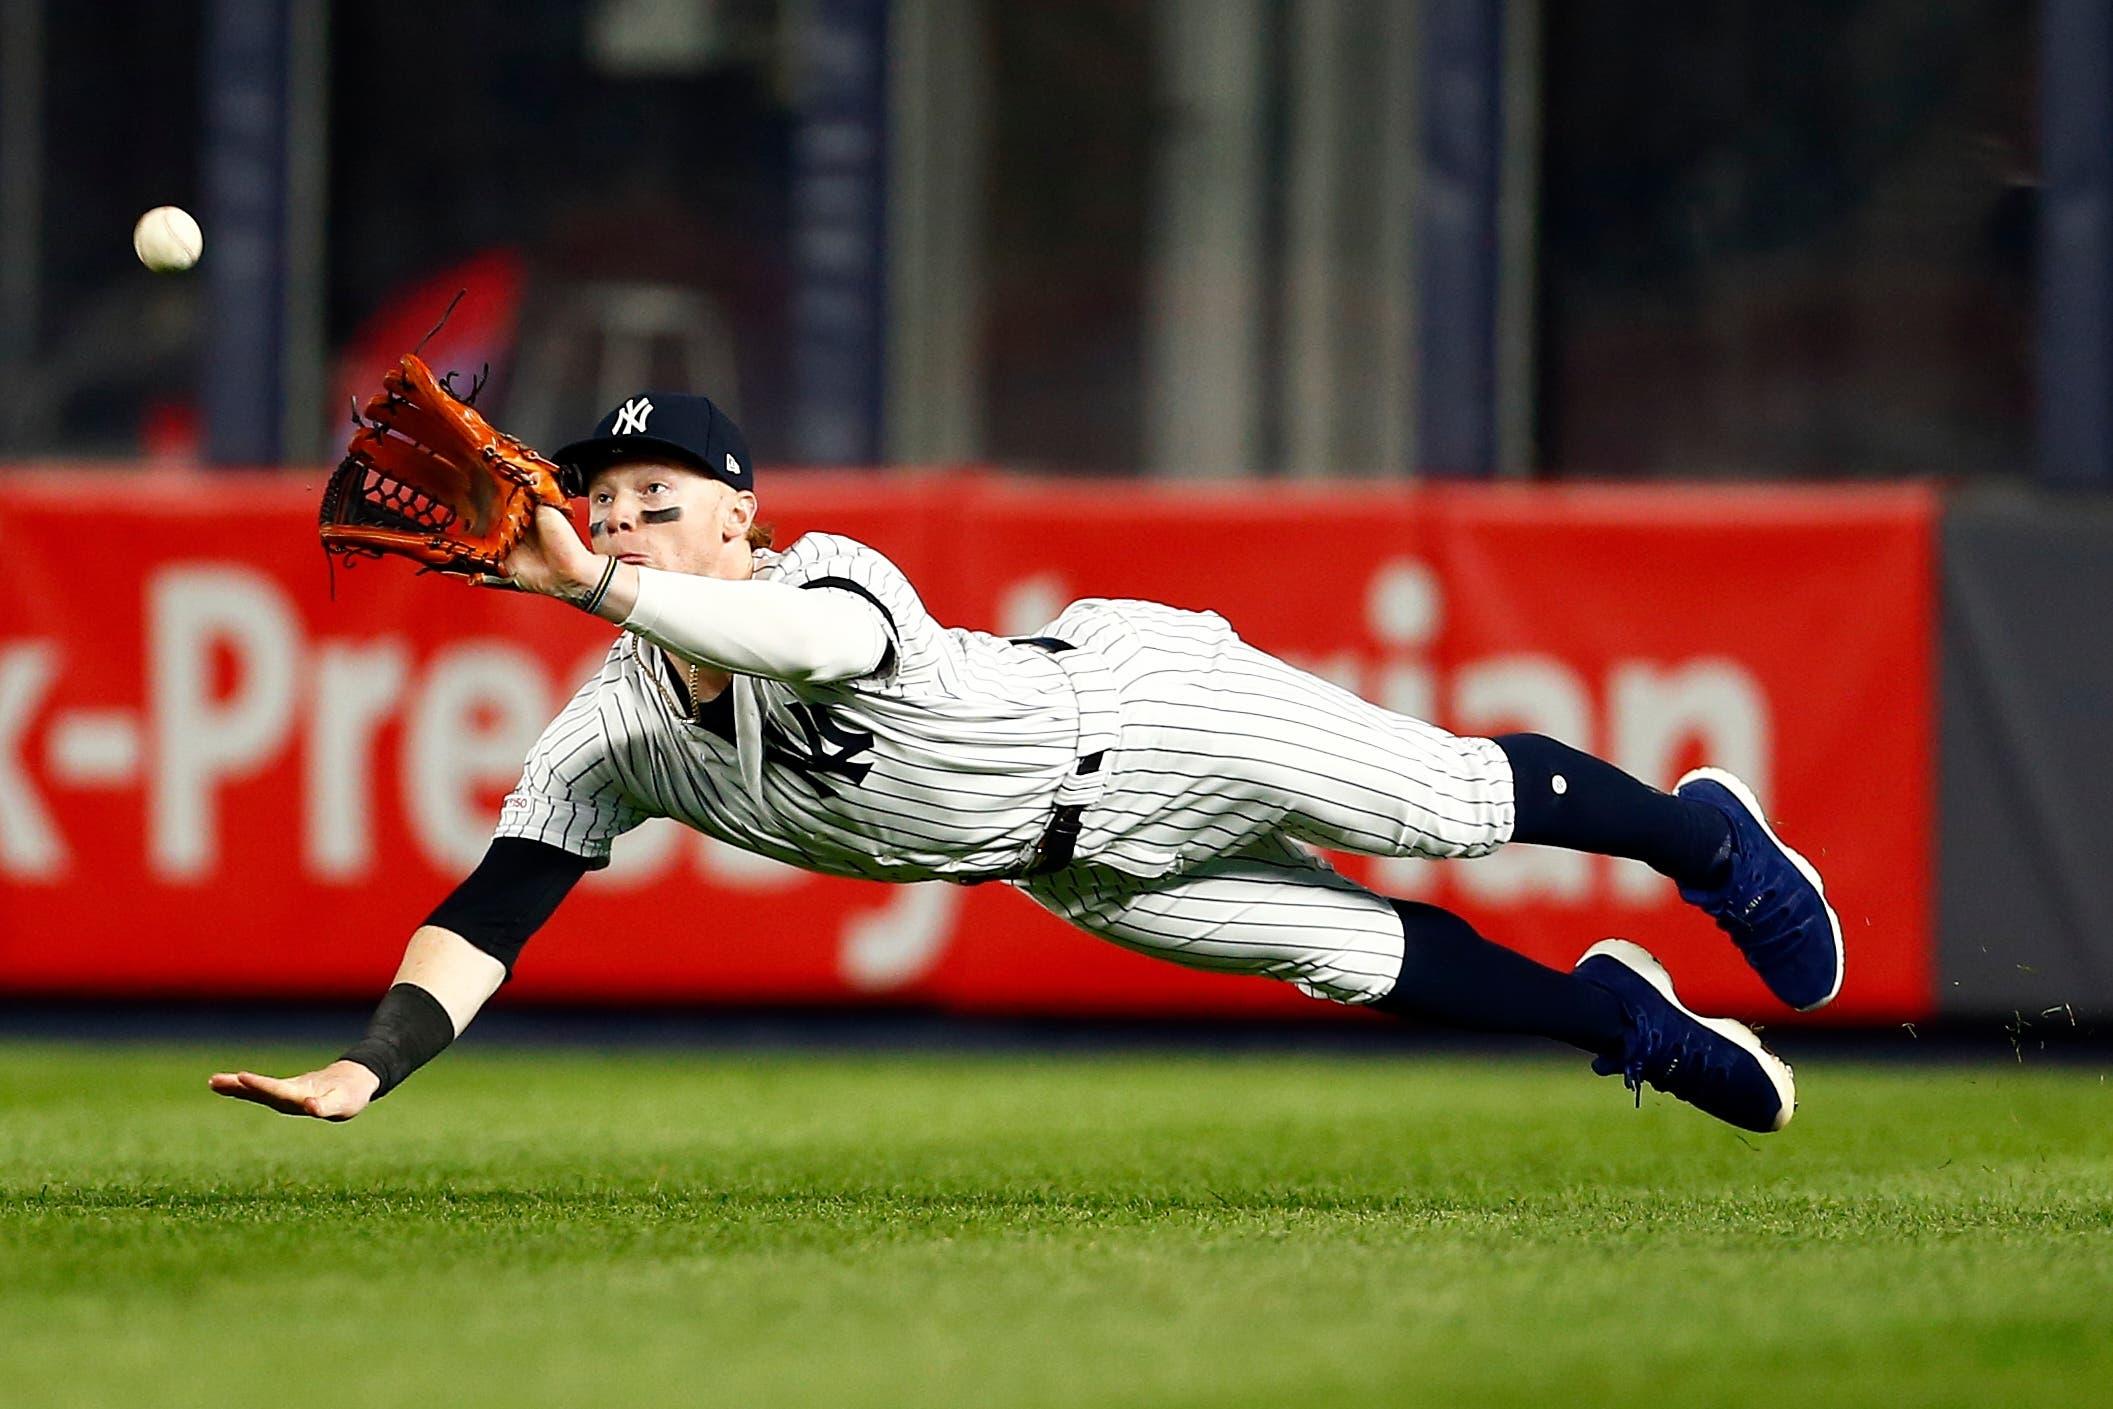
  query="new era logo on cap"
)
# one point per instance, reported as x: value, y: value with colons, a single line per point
x: 681, y: 430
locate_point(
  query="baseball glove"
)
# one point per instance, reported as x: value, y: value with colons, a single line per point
x: 425, y: 476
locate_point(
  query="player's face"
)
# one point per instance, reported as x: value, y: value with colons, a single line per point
x: 668, y: 516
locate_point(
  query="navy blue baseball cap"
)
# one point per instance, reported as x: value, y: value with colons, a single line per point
x: 683, y: 430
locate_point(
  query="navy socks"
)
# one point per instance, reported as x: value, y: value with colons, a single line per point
x: 1570, y: 799
x: 1453, y: 976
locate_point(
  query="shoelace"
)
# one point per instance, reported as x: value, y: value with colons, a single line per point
x: 1646, y: 1058
x: 1762, y: 906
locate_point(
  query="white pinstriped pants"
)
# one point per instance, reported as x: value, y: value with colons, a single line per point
x: 1228, y: 757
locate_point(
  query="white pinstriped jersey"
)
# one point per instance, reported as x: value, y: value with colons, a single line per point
x: 944, y: 763
x: 947, y: 761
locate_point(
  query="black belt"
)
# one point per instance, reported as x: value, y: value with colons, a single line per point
x: 1061, y: 838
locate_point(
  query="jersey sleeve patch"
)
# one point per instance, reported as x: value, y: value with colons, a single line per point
x: 569, y: 795
x: 585, y: 829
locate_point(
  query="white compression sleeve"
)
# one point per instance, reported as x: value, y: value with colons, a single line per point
x: 759, y: 628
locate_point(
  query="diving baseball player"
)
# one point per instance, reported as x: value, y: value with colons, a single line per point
x: 1140, y: 771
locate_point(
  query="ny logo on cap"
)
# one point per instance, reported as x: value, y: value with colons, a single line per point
x: 631, y: 417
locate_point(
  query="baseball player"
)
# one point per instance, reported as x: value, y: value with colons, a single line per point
x: 1138, y: 770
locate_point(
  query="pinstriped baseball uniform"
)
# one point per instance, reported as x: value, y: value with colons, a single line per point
x: 1229, y: 757
x: 1192, y: 763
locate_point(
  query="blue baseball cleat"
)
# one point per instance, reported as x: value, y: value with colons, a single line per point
x: 1773, y: 905
x: 1714, y: 1064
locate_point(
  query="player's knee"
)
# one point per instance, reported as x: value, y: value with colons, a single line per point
x: 1336, y: 984
x: 1425, y: 926
x: 1430, y: 937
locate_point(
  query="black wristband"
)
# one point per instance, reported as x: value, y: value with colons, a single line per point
x: 408, y: 1029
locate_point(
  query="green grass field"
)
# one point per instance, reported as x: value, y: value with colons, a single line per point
x: 546, y: 1227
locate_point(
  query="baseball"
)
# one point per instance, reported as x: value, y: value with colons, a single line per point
x: 167, y: 239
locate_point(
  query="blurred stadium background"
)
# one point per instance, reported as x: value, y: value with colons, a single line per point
x: 1507, y: 362
x: 1727, y: 381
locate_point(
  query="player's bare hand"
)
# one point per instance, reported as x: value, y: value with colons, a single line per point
x: 339, y: 1091
x: 549, y: 559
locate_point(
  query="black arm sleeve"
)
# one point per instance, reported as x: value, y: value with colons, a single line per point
x: 508, y: 897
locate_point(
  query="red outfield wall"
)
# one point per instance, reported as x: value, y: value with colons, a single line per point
x: 215, y: 779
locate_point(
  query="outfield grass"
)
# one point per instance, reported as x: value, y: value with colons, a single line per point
x: 544, y: 1228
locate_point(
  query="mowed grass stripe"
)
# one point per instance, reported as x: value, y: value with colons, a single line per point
x: 550, y: 1227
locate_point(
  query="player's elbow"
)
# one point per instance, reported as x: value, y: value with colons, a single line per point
x: 825, y: 657
x: 826, y: 669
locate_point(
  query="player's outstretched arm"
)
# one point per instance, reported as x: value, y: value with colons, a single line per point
x: 749, y: 627
x: 442, y: 982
